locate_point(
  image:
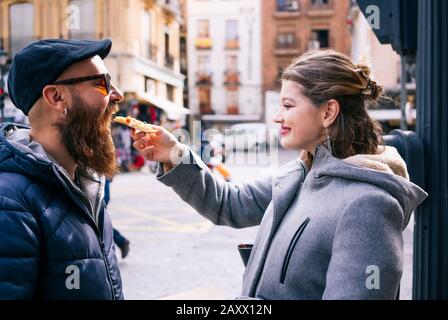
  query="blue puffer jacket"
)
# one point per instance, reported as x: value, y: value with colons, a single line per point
x: 56, y: 242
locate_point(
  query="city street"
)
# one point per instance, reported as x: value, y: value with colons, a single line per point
x: 176, y: 251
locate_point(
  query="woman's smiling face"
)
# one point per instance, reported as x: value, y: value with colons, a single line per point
x: 300, y: 121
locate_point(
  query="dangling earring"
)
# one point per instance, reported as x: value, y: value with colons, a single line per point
x: 327, y: 142
x: 65, y: 112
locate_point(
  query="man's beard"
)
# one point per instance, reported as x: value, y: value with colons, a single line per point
x: 87, y: 137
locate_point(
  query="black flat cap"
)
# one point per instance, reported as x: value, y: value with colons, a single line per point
x: 42, y: 62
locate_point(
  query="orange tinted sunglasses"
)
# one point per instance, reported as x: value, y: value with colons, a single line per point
x: 105, y: 85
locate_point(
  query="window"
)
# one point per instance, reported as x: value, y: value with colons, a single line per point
x: 232, y: 97
x: 232, y: 76
x: 204, y: 66
x: 203, y: 29
x: 167, y: 43
x: 232, y: 63
x: 287, y: 5
x: 203, y: 40
x: 150, y: 85
x: 146, y: 35
x: 320, y: 2
x: 205, y: 105
x: 286, y: 40
x: 170, y: 92
x: 232, y: 101
x: 204, y: 70
x: 84, y: 20
x: 169, y: 59
x: 232, y: 34
x: 323, y: 37
x: 21, y: 26
x: 281, y: 5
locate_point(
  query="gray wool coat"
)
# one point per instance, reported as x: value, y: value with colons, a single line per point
x: 333, y: 232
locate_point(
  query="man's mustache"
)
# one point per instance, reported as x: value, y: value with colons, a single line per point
x: 113, y: 108
x: 109, y: 112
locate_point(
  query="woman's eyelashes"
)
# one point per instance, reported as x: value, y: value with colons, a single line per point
x: 287, y: 106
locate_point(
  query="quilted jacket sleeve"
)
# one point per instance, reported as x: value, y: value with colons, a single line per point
x: 19, y: 250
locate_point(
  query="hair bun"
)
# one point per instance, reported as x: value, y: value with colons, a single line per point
x: 372, y: 90
x: 375, y: 90
x: 363, y: 69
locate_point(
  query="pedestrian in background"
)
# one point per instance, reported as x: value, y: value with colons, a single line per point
x: 119, y: 239
x: 216, y: 160
x: 331, y: 222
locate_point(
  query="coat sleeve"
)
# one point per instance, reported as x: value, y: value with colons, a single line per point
x: 234, y: 205
x: 19, y: 251
x: 367, y: 250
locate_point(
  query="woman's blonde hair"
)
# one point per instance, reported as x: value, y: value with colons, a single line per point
x: 326, y: 75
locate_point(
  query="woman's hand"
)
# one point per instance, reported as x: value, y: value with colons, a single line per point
x: 160, y: 146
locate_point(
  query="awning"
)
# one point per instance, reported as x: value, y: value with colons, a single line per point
x: 172, y: 110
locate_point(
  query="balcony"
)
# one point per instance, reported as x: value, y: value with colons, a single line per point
x: 232, y: 44
x: 203, y: 79
x: 205, y: 108
x: 289, y: 9
x: 169, y: 62
x: 233, y: 110
x: 203, y: 43
x: 320, y: 9
x: 287, y: 48
x: 232, y: 78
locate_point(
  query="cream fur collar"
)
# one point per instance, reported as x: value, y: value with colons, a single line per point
x: 386, y: 160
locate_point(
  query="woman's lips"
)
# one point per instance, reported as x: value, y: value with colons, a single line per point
x: 284, y: 130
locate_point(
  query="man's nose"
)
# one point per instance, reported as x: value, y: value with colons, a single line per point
x: 116, y: 95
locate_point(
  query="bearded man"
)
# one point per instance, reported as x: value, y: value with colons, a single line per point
x: 56, y: 239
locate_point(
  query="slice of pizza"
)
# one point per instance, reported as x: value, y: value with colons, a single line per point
x: 136, y: 124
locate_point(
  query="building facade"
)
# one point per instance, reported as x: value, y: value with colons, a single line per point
x: 224, y: 61
x: 290, y: 28
x: 145, y: 58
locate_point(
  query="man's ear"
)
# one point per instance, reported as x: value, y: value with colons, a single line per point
x: 330, y: 112
x: 54, y: 98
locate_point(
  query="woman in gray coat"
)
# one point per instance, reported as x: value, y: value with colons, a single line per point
x: 331, y: 222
